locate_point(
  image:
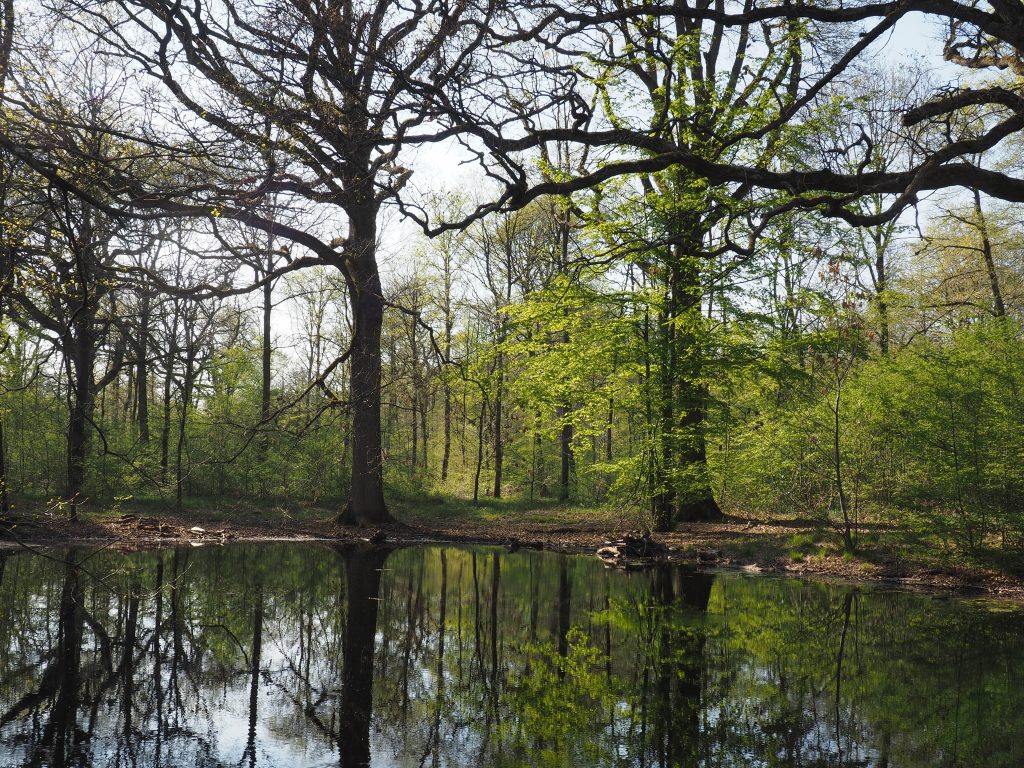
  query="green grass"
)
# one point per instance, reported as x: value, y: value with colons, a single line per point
x: 434, y: 508
x: 212, y: 509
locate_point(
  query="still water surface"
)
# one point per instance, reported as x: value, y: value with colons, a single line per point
x: 289, y: 655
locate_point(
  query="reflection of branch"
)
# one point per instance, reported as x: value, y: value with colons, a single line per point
x: 251, y: 431
x: 19, y: 542
x: 47, y: 688
x: 32, y: 379
x: 104, y: 639
x: 232, y: 635
x: 128, y: 460
x: 320, y: 381
x: 417, y: 318
x: 309, y: 710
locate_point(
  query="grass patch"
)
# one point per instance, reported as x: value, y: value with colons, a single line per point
x: 433, y: 509
x: 803, y: 543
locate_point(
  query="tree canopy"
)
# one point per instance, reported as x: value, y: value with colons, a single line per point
x: 681, y: 258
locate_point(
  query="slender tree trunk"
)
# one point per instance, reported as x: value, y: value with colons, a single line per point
x: 499, y: 448
x: 447, y: 453
x: 5, y: 488
x: 126, y: 667
x: 6, y: 251
x: 495, y: 589
x: 5, y: 499
x: 535, y: 451
x: 267, y: 354
x: 837, y: 465
x: 434, y: 741
x: 463, y: 424
x: 881, y: 288
x: 424, y: 405
x: 448, y: 325
x: 563, y: 612
x: 479, y: 449
x: 990, y: 265
x: 165, y: 429
x: 837, y: 706
x: 565, y: 451
x: 186, y: 399
x: 142, y: 372
x: 254, y: 677
x: 565, y: 439
x: 608, y: 430
x: 415, y: 395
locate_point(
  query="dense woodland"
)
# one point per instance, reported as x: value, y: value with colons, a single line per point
x: 684, y: 260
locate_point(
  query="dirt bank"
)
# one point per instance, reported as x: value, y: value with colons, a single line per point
x: 793, y: 548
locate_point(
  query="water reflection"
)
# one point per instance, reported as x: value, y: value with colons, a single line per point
x: 291, y: 656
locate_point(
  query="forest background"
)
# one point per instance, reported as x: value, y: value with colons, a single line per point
x: 612, y: 310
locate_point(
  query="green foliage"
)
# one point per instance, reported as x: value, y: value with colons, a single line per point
x: 562, y: 692
x: 933, y: 435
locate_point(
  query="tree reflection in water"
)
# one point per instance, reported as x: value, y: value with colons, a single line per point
x: 288, y: 655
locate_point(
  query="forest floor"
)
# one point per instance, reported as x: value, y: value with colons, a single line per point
x: 798, y: 547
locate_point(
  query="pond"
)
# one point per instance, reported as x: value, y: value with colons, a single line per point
x: 299, y: 655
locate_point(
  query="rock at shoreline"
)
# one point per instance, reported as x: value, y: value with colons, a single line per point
x: 631, y: 549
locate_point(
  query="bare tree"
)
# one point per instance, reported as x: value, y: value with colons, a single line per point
x: 345, y: 89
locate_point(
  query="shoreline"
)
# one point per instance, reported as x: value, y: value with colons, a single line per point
x: 730, y: 546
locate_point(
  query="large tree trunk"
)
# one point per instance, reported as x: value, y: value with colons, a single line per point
x: 695, y: 501
x: 693, y: 497
x: 366, y: 496
x: 663, y: 503
x: 80, y: 411
x: 79, y: 347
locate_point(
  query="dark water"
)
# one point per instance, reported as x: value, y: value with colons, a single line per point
x: 285, y: 655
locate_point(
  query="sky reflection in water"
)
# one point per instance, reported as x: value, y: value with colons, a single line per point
x: 290, y: 655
